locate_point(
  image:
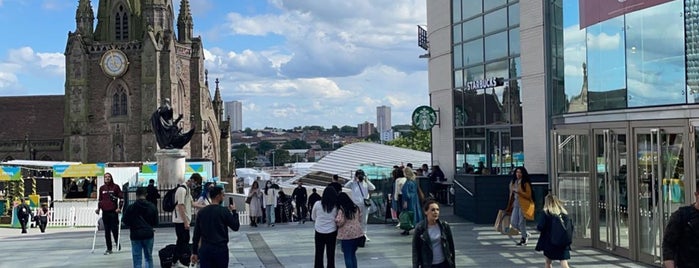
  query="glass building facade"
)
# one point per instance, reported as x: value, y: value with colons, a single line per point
x: 487, y: 117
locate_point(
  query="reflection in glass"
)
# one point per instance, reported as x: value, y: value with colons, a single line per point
x: 497, y: 46
x: 513, y: 14
x: 456, y: 7
x: 469, y: 8
x: 691, y: 31
x: 612, y: 201
x: 499, y: 155
x: 497, y: 69
x: 456, y: 33
x: 655, y: 55
x: 490, y: 4
x: 514, y: 42
x: 606, y: 65
x: 473, y: 28
x: 575, y: 52
x: 474, y: 73
x: 496, y: 20
x: 459, y: 78
x: 458, y: 56
x: 473, y: 52
x: 573, y: 180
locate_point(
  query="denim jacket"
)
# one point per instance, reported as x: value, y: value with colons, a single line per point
x: 422, y: 248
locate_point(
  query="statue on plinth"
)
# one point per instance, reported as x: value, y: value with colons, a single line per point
x: 167, y: 133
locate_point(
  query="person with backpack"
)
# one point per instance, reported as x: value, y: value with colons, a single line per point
x: 141, y: 217
x: 210, y: 247
x: 109, y: 199
x: 556, y: 232
x: 521, y: 203
x: 681, y: 236
x: 179, y: 201
x: 24, y: 212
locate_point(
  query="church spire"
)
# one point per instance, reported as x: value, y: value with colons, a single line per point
x: 84, y: 18
x: 185, y: 23
x: 218, y: 103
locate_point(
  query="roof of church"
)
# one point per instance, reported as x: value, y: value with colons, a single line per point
x: 39, y: 117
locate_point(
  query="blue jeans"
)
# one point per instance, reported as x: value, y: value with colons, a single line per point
x: 270, y: 214
x: 349, y: 249
x: 141, y: 248
x: 213, y: 257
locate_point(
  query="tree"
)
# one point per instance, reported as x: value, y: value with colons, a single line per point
x: 323, y: 144
x: 281, y: 157
x: 296, y: 144
x: 248, y: 131
x: 334, y: 129
x: 374, y: 137
x: 264, y: 146
x: 416, y: 140
x: 348, y: 129
x: 241, y: 154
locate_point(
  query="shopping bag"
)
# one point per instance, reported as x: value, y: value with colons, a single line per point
x: 498, y: 220
x: 394, y: 215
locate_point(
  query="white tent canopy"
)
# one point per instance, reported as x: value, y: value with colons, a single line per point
x: 250, y: 174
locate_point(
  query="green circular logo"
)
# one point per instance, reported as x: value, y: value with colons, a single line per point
x: 424, y: 117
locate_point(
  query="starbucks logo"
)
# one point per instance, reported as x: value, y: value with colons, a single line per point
x: 424, y: 118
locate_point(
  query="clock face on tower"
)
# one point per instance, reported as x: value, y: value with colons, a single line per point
x: 114, y: 63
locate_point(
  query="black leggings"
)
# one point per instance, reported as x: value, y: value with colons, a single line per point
x: 111, y: 227
x: 324, y: 241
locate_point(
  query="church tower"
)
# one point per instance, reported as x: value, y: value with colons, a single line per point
x: 118, y: 71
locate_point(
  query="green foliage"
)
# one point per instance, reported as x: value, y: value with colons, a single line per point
x: 264, y: 146
x: 296, y: 144
x: 373, y: 137
x: 348, y: 129
x: 323, y: 144
x: 416, y: 140
x: 281, y: 157
x: 248, y: 131
x: 241, y: 154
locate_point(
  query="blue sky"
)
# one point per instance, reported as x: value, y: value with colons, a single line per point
x: 290, y: 62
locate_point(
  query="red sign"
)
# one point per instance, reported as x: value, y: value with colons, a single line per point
x: 596, y: 11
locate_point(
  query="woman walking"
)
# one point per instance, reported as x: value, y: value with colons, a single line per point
x: 521, y: 203
x: 42, y: 216
x: 552, y: 210
x: 324, y: 214
x: 255, y: 205
x: 270, y: 197
x: 360, y: 191
x: 410, y: 194
x: 349, y: 229
x: 433, y: 244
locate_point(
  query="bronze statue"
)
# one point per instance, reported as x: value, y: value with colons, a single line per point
x: 167, y: 133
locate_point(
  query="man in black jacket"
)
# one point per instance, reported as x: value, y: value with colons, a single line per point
x: 680, y: 243
x: 300, y: 195
x: 210, y: 243
x: 153, y: 194
x: 141, y: 217
x: 315, y: 197
x: 336, y: 184
x: 23, y: 214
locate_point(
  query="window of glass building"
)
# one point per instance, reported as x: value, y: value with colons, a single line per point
x: 513, y: 14
x: 473, y: 52
x: 496, y: 20
x: 491, y: 4
x: 458, y: 56
x: 497, y: 46
x: 470, y: 8
x: 514, y: 42
x: 606, y: 65
x: 456, y: 10
x: 472, y: 28
x: 456, y: 34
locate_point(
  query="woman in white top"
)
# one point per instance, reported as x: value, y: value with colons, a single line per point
x: 324, y: 213
x: 397, y: 190
x: 270, y: 197
x: 360, y: 190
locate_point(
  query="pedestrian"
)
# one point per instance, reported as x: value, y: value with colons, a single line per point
x: 349, y: 228
x: 195, y: 187
x: 336, y: 183
x: 360, y: 195
x: 182, y: 218
x: 300, y: 196
x: 109, y: 201
x: 43, y: 217
x: 553, y: 209
x: 270, y: 201
x: 433, y: 244
x: 680, y: 243
x: 312, y: 199
x: 437, y: 174
x: 398, y: 192
x: 141, y: 217
x: 521, y: 203
x: 153, y: 194
x: 210, y: 247
x: 24, y: 213
x: 255, y: 207
x: 410, y: 193
x: 324, y: 213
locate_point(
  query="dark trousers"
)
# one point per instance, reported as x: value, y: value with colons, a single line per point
x: 213, y: 257
x: 23, y: 223
x: 325, y: 242
x: 111, y: 227
x: 182, y: 244
x: 43, y: 220
x: 301, y: 209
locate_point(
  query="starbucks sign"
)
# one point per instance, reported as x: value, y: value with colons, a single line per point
x: 424, y: 117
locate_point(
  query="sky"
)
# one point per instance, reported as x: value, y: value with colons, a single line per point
x: 290, y: 62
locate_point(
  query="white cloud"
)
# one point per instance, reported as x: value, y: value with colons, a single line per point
x: 604, y: 41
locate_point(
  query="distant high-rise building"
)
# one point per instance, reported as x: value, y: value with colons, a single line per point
x: 234, y: 110
x: 365, y: 129
x: 383, y: 122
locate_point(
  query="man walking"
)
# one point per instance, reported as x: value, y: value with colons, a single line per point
x: 210, y: 246
x: 680, y: 243
x: 152, y: 193
x: 300, y: 195
x: 315, y: 197
x: 141, y: 217
x: 336, y: 184
x: 182, y: 217
x: 23, y: 214
x: 108, y: 200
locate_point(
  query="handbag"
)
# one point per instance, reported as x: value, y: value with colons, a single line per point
x: 367, y: 201
x: 361, y: 241
x: 406, y: 220
x: 248, y: 199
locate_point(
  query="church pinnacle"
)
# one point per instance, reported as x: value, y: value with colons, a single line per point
x: 185, y: 23
x: 218, y: 103
x: 84, y: 18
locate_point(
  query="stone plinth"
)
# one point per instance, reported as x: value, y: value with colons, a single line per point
x: 171, y: 166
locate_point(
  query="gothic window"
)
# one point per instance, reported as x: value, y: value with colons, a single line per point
x: 119, y: 102
x: 121, y: 24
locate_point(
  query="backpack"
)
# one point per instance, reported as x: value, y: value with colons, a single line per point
x: 561, y: 230
x: 169, y: 202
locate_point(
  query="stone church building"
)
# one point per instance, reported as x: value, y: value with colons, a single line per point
x: 117, y: 73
